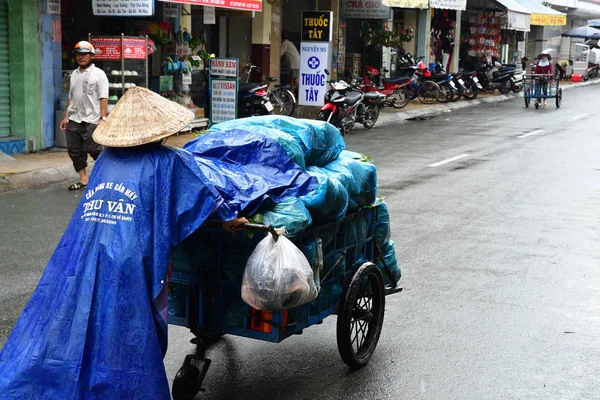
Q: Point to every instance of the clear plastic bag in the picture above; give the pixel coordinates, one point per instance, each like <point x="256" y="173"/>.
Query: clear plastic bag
<point x="278" y="276"/>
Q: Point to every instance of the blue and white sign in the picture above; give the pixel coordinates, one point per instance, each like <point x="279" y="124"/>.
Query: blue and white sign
<point x="314" y="59"/>
<point x="123" y="8"/>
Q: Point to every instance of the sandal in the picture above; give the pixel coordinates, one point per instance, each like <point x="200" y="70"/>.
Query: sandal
<point x="77" y="186"/>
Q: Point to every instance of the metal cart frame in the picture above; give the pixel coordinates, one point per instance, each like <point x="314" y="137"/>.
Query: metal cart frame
<point x="533" y="89"/>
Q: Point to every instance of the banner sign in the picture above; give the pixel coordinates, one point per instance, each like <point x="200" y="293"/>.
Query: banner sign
<point x="223" y="100"/>
<point x="123" y="8"/>
<point x="170" y="10"/>
<point x="53" y="7"/>
<point x="249" y="5"/>
<point x="366" y="9"/>
<point x="548" y="20"/>
<point x="448" y="4"/>
<point x="224" y="67"/>
<point x="110" y="48"/>
<point x="314" y="59"/>
<point x="421" y="4"/>
<point x="317" y="26"/>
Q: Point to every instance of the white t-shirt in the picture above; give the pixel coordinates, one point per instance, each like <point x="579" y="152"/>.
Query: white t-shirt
<point x="288" y="49"/>
<point x="88" y="86"/>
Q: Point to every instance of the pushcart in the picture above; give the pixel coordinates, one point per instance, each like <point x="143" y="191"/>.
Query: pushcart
<point x="342" y="255"/>
<point x="539" y="86"/>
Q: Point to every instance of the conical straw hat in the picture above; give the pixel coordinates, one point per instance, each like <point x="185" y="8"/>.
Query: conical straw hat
<point x="141" y="116"/>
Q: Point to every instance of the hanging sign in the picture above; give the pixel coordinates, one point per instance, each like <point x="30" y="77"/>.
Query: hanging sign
<point x="317" y="26"/>
<point x="134" y="48"/>
<point x="314" y="59"/>
<point x="548" y="19"/>
<point x="224" y="67"/>
<point x="209" y="16"/>
<point x="106" y="48"/>
<point x="223" y="100"/>
<point x="251" y="5"/>
<point x="53" y="7"/>
<point x="123" y="8"/>
<point x="366" y="9"/>
<point x="421" y="4"/>
<point x="165" y="83"/>
<point x="448" y="4"/>
<point x="170" y="10"/>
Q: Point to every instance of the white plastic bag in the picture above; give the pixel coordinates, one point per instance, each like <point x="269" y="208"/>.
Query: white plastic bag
<point x="277" y="276"/>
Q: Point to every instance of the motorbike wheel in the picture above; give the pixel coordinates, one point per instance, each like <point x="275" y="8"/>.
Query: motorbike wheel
<point x="333" y="120"/>
<point x="472" y="91"/>
<point x="506" y="88"/>
<point x="283" y="101"/>
<point x="457" y="93"/>
<point x="516" y="88"/>
<point x="446" y="94"/>
<point x="400" y="98"/>
<point x="371" y="116"/>
<point x="428" y="92"/>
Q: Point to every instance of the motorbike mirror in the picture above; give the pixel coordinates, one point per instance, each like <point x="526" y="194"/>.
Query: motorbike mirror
<point x="326" y="71"/>
<point x="385" y="70"/>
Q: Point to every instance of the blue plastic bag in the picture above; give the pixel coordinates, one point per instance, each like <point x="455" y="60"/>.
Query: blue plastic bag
<point x="285" y="140"/>
<point x="382" y="226"/>
<point x="329" y="200"/>
<point x="290" y="213"/>
<point x="391" y="270"/>
<point x="358" y="177"/>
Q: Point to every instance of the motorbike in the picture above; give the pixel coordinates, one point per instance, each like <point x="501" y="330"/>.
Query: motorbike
<point x="253" y="98"/>
<point x="593" y="70"/>
<point x="393" y="89"/>
<point x="346" y="104"/>
<point x="492" y="78"/>
<point x="448" y="89"/>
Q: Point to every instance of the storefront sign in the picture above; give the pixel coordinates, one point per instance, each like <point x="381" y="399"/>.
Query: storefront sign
<point x="314" y="59"/>
<point x="548" y="20"/>
<point x="166" y="83"/>
<point x="57" y="31"/>
<point x="178" y="49"/>
<point x="53" y="7"/>
<point x="170" y="10"/>
<point x="223" y="100"/>
<point x="422" y="4"/>
<point x="224" y="67"/>
<point x="517" y="21"/>
<point x="251" y="5"/>
<point x="448" y="4"/>
<point x="106" y="48"/>
<point x="123" y="8"/>
<point x="209" y="16"/>
<point x="366" y="9"/>
<point x="317" y="26"/>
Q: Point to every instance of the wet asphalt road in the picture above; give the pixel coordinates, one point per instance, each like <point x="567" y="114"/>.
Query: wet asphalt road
<point x="500" y="251"/>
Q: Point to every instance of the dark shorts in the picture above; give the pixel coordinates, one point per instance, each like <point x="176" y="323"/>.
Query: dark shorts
<point x="295" y="73"/>
<point x="80" y="143"/>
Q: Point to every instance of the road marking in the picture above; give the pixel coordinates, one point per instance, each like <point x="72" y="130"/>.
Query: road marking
<point x="531" y="133"/>
<point x="449" y="160"/>
<point x="580" y="116"/>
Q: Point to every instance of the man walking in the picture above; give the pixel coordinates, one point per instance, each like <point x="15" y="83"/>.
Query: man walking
<point x="87" y="107"/>
<point x="293" y="59"/>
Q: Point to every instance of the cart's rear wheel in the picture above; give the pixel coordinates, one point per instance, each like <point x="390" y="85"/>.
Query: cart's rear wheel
<point x="361" y="316"/>
<point x="558" y="98"/>
<point x="527" y="102"/>
<point x="189" y="378"/>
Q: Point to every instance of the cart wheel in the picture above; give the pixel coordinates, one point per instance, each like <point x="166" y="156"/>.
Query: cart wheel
<point x="527" y="102"/>
<point x="360" y="316"/>
<point x="558" y="98"/>
<point x="189" y="378"/>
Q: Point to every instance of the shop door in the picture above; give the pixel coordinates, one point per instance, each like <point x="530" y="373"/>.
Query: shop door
<point x="4" y="70"/>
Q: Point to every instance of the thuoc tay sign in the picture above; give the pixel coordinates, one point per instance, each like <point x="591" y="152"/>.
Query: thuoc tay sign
<point x="317" y="26"/>
<point x="314" y="59"/>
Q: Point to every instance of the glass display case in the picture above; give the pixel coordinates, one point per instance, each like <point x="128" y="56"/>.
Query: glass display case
<point x="124" y="59"/>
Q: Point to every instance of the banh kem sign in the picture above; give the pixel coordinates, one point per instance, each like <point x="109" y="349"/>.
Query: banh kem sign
<point x="317" y="26"/>
<point x="314" y="59"/>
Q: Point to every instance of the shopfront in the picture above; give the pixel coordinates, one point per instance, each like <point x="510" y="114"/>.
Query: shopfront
<point x="444" y="42"/>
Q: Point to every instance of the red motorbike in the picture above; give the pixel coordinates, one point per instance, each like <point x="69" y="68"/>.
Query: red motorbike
<point x="394" y="89"/>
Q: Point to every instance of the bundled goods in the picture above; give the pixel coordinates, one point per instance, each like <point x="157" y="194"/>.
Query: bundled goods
<point x="382" y="226"/>
<point x="389" y="265"/>
<point x="358" y="176"/>
<point x="329" y="201"/>
<point x="290" y="213"/>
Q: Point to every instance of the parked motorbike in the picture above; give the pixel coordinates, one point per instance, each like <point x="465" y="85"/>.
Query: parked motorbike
<point x="492" y="78"/>
<point x="253" y="98"/>
<point x="346" y="104"/>
<point x="593" y="70"/>
<point x="393" y="89"/>
<point x="448" y="89"/>
<point x="471" y="84"/>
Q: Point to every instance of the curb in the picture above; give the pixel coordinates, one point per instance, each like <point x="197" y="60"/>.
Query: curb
<point x="39" y="177"/>
<point x="401" y="116"/>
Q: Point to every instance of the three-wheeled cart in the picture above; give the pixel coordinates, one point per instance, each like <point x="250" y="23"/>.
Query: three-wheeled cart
<point x="342" y="255"/>
<point x="538" y="87"/>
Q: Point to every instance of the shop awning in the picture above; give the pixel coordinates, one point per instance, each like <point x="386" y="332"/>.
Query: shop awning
<point x="422" y="4"/>
<point x="542" y="15"/>
<point x="518" y="17"/>
<point x="588" y="10"/>
<point x="448" y="4"/>
<point x="249" y="5"/>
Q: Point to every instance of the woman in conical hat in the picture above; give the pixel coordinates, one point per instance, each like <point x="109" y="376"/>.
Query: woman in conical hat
<point x="96" y="327"/>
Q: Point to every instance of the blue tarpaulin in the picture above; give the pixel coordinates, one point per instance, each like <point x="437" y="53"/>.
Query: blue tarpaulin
<point x="96" y="325"/>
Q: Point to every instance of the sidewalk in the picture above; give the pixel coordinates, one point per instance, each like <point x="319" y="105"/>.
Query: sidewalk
<point x="25" y="171"/>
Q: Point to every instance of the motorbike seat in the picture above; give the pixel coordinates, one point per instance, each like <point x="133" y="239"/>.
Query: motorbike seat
<point x="397" y="80"/>
<point x="371" y="96"/>
<point x="437" y="77"/>
<point x="353" y="98"/>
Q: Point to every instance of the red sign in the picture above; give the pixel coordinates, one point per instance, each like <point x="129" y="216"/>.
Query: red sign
<point x="106" y="48"/>
<point x="249" y="5"/>
<point x="135" y="48"/>
<point x="110" y="48"/>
